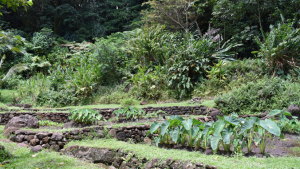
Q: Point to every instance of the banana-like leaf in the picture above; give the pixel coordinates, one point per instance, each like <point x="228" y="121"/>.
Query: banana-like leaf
<point x="215" y="141"/>
<point x="15" y="69"/>
<point x="270" y="126"/>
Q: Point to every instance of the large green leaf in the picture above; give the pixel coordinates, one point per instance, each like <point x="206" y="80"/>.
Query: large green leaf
<point x="195" y="131"/>
<point x="163" y="128"/>
<point x="274" y="112"/>
<point x="215" y="141"/>
<point x="154" y="127"/>
<point x="206" y="128"/>
<point x="175" y="134"/>
<point x="226" y="134"/>
<point x="174" y="122"/>
<point x="248" y="124"/>
<point x="270" y="126"/>
<point x="197" y="122"/>
<point x="232" y="120"/>
<point x="218" y="127"/>
<point x="187" y="124"/>
<point x="176" y="117"/>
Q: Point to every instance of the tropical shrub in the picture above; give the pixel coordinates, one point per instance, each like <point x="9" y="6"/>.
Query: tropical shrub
<point x="86" y="116"/>
<point x="193" y="58"/>
<point x="149" y="83"/>
<point x="230" y="75"/>
<point x="129" y="102"/>
<point x="281" y="47"/>
<point x="150" y="46"/>
<point x="42" y="41"/>
<point x="263" y="95"/>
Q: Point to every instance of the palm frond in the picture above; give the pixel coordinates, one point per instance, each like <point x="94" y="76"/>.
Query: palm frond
<point x="15" y="69"/>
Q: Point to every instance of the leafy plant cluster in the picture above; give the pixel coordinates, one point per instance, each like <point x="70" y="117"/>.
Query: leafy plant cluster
<point x="86" y="116"/>
<point x="129" y="113"/>
<point x="226" y="76"/>
<point x="227" y="132"/>
<point x="42" y="41"/>
<point x="263" y="95"/>
<point x="48" y="123"/>
<point x="281" y="47"/>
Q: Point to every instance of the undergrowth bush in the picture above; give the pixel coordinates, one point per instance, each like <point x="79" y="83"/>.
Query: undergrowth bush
<point x="281" y="47"/>
<point x="129" y="102"/>
<point x="111" y="94"/>
<point x="260" y="96"/>
<point x="234" y="75"/>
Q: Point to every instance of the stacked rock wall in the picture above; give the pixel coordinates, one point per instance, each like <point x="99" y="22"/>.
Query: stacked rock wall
<point x="62" y="117"/>
<point x="56" y="140"/>
<point x="120" y="159"/>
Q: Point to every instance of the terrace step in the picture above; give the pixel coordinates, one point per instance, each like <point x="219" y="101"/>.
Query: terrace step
<point x="120" y="158"/>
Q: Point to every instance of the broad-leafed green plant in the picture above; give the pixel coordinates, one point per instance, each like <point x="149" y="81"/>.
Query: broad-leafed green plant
<point x="281" y="47"/>
<point x="86" y="116"/>
<point x="228" y="131"/>
<point x="129" y="113"/>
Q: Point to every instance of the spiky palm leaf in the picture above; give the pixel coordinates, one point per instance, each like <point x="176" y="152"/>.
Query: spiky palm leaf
<point x="15" y="69"/>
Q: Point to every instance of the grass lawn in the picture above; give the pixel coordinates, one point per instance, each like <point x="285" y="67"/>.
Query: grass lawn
<point x="23" y="158"/>
<point x="6" y="96"/>
<point x="208" y="103"/>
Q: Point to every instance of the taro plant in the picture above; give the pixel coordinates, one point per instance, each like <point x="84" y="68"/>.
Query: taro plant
<point x="129" y="113"/>
<point x="86" y="116"/>
<point x="228" y="131"/>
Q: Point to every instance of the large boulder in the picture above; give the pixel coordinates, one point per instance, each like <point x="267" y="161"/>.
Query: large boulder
<point x="18" y="122"/>
<point x="294" y="110"/>
<point x="214" y="113"/>
<point x="23" y="121"/>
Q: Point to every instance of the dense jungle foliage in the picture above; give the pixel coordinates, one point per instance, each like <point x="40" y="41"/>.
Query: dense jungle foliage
<point x="244" y="54"/>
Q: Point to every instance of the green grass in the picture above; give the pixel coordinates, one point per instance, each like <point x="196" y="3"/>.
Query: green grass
<point x="7" y="95"/>
<point x="208" y="103"/>
<point x="22" y="158"/>
<point x="151" y="152"/>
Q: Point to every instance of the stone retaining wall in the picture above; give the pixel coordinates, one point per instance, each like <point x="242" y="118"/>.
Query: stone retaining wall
<point x="62" y="117"/>
<point x="56" y="141"/>
<point x="118" y="158"/>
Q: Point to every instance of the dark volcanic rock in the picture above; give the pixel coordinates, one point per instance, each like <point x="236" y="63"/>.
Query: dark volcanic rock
<point x="121" y="136"/>
<point x="144" y="102"/>
<point x="294" y="110"/>
<point x="27" y="106"/>
<point x="36" y="148"/>
<point x="215" y="113"/>
<point x="23" y="121"/>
